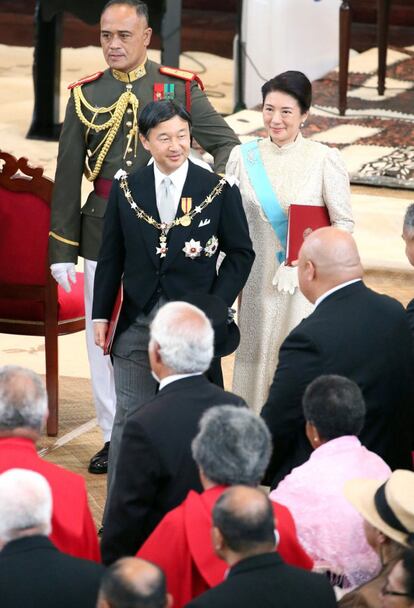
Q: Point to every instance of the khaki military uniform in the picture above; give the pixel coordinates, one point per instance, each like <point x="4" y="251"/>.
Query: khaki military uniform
<point x="74" y="232"/>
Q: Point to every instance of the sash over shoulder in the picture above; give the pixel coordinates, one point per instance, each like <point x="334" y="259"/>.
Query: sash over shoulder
<point x="265" y="194"/>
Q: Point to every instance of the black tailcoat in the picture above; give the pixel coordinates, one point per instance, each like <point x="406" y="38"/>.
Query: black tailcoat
<point x="129" y="247"/>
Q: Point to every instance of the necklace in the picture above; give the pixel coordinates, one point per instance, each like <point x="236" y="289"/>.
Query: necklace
<point x="185" y="220"/>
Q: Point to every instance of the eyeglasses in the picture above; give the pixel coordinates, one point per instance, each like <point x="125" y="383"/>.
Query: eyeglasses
<point x="386" y="591"/>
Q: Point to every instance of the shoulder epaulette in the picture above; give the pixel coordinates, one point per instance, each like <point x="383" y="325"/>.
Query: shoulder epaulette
<point x="85" y="80"/>
<point x="182" y="74"/>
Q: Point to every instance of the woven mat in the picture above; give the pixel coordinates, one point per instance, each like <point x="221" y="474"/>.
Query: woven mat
<point x="377" y="134"/>
<point x="78" y="439"/>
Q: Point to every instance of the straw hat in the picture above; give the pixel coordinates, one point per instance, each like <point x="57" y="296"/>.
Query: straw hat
<point x="387" y="506"/>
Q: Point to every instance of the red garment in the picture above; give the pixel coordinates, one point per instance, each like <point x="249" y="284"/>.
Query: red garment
<point x="181" y="546"/>
<point x="73" y="529"/>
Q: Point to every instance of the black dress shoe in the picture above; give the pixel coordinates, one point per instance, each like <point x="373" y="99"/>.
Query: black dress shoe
<point x="99" y="463"/>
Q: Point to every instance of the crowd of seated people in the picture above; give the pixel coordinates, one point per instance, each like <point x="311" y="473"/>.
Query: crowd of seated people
<point x="337" y="529"/>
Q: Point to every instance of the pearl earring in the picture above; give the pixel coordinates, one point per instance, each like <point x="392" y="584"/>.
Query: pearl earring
<point x="302" y="124"/>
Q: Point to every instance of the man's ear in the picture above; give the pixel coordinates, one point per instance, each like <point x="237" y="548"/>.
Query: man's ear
<point x="147" y="36"/>
<point x="217" y="540"/>
<point x="157" y="352"/>
<point x="144" y="142"/>
<point x="310" y="270"/>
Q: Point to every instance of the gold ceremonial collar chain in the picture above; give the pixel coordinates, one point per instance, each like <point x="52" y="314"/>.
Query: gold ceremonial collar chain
<point x="128" y="77"/>
<point x="184" y="220"/>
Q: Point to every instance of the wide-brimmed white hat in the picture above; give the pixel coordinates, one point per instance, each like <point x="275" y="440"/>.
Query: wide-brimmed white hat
<point x="387" y="506"/>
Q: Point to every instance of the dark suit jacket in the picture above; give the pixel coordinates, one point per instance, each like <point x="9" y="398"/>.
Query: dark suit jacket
<point x="410" y="313"/>
<point x="129" y="246"/>
<point x="266" y="581"/>
<point x="357" y="333"/>
<point x="34" y="573"/>
<point x="155" y="469"/>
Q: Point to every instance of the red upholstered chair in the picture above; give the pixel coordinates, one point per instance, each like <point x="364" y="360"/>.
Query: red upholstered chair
<point x="31" y="303"/>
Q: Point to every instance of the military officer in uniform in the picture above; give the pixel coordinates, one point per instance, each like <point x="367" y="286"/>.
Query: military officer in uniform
<point x="99" y="137"/>
<point x="164" y="229"/>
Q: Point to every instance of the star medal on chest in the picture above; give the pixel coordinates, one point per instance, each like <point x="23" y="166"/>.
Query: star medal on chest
<point x="192" y="248"/>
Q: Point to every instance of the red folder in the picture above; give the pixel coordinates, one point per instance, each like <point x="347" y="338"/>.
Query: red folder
<point x="303" y="219"/>
<point x="113" y="321"/>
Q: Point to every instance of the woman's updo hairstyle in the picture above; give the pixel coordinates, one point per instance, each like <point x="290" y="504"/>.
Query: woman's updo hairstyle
<point x="293" y="83"/>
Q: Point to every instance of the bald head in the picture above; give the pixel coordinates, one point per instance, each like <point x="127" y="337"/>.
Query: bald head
<point x="244" y="520"/>
<point x="327" y="258"/>
<point x="131" y="581"/>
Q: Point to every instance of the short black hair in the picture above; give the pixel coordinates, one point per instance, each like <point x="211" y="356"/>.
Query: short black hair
<point x="335" y="406"/>
<point x="408" y="565"/>
<point x="156" y="112"/>
<point x="244" y="530"/>
<point x="293" y="83"/>
<point x="120" y="592"/>
<point x="140" y="7"/>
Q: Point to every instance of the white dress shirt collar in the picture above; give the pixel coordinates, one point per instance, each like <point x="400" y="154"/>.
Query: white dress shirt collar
<point x="166" y="381"/>
<point x="177" y="177"/>
<point x="337" y="288"/>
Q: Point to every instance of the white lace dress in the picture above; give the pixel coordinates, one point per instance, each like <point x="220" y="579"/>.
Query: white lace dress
<point x="303" y="172"/>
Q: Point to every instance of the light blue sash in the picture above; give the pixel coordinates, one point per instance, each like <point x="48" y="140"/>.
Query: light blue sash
<point x="265" y="194"/>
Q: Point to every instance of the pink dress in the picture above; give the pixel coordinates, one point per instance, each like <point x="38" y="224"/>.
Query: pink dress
<point x="328" y="527"/>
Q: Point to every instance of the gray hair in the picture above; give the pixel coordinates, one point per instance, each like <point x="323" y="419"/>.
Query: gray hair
<point x="335" y="406"/>
<point x="25" y="503"/>
<point x="233" y="446"/>
<point x="185" y="337"/>
<point x="23" y="399"/>
<point x="409" y="218"/>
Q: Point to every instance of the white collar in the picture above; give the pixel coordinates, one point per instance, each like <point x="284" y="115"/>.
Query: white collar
<point x="336" y="288"/>
<point x="177" y="177"/>
<point x="165" y="381"/>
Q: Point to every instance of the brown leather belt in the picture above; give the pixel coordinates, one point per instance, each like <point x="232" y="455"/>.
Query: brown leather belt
<point x="102" y="187"/>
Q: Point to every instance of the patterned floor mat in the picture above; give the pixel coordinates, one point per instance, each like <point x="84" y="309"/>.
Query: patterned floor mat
<point x="376" y="135"/>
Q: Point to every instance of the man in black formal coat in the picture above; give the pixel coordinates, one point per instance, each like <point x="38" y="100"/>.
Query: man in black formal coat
<point x="33" y="572"/>
<point x="155" y="468"/>
<point x="353" y="332"/>
<point x="165" y="226"/>
<point x="244" y="536"/>
<point x="408" y="237"/>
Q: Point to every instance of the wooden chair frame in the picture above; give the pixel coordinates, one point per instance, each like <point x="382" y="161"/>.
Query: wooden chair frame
<point x="345" y="21"/>
<point x="18" y="176"/>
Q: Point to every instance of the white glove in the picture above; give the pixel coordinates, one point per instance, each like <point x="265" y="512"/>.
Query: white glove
<point x="286" y="278"/>
<point x="64" y="273"/>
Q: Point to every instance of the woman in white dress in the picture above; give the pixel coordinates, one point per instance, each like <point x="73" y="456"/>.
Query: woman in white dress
<point x="275" y="172"/>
